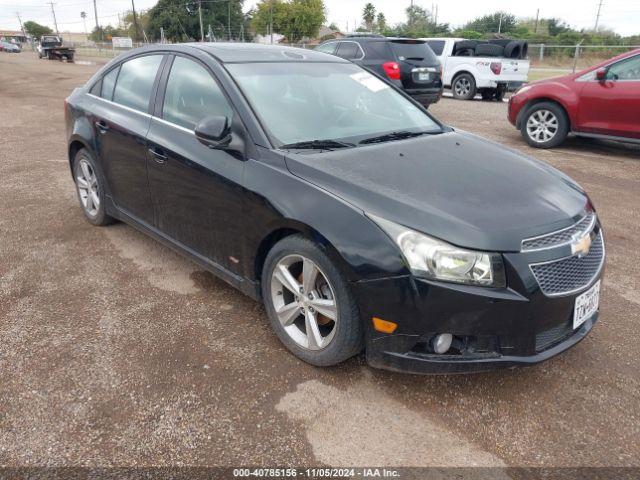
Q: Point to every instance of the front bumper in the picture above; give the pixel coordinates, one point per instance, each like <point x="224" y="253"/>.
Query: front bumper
<point x="509" y="327"/>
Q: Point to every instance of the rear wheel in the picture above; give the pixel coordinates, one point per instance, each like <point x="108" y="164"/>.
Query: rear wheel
<point x="545" y="125"/>
<point x="90" y="189"/>
<point x="309" y="303"/>
<point x="464" y="87"/>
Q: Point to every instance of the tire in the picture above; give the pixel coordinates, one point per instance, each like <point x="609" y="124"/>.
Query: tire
<point x="344" y="336"/>
<point x="500" y="41"/>
<point x="464" y="87"/>
<point x="488" y="94"/>
<point x="464" y="45"/>
<point x="489" y="50"/>
<point x="513" y="49"/>
<point x="467" y="52"/>
<point x="545" y="112"/>
<point x="95" y="214"/>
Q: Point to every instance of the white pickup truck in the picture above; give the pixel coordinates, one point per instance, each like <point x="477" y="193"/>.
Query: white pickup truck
<point x="496" y="66"/>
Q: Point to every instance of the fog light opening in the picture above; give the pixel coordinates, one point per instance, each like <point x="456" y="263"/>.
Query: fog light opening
<point x="441" y="343"/>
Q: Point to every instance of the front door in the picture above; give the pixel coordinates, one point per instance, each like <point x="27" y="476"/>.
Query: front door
<point x="611" y="106"/>
<point x="196" y="190"/>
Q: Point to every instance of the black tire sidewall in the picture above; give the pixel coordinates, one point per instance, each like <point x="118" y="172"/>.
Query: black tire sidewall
<point x="101" y="218"/>
<point x="563" y="125"/>
<point x="348" y="338"/>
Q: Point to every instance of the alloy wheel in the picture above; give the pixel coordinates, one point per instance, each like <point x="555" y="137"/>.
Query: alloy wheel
<point x="304" y="302"/>
<point x="542" y="126"/>
<point x="463" y="87"/>
<point x="87" y="182"/>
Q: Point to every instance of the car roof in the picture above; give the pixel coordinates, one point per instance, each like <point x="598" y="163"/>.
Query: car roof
<point x="250" y="52"/>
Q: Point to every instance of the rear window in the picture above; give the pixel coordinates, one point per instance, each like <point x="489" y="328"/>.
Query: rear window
<point x="437" y="46"/>
<point x="413" y="50"/>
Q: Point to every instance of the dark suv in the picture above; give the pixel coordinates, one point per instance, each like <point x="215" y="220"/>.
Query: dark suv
<point x="405" y="62"/>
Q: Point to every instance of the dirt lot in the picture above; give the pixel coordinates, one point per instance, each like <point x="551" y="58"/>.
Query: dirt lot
<point x="116" y="351"/>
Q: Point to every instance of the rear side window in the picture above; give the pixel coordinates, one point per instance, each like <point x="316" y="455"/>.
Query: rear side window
<point x="327" y="48"/>
<point x="413" y="50"/>
<point x="349" y="50"/>
<point x="437" y="46"/>
<point x="377" y="49"/>
<point x="108" y="82"/>
<point x="135" y="82"/>
<point x="192" y="94"/>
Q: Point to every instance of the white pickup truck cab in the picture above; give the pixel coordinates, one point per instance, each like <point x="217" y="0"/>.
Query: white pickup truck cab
<point x="467" y="75"/>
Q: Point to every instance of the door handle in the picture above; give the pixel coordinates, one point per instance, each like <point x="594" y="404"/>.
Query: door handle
<point x="158" y="155"/>
<point x="102" y="126"/>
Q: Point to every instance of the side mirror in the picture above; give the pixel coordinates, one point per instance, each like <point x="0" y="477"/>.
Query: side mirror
<point x="214" y="132"/>
<point x="601" y="74"/>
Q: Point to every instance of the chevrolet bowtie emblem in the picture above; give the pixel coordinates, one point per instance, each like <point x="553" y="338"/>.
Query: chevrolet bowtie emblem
<point x="580" y="245"/>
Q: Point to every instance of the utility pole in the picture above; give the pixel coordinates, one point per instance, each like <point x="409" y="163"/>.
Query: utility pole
<point x="271" y="20"/>
<point x="200" y="16"/>
<point x="229" y="20"/>
<point x="435" y="21"/>
<point x="95" y="12"/>
<point x="135" y="19"/>
<point x="55" y="22"/>
<point x="21" y="27"/>
<point x="500" y="24"/>
<point x="595" y="29"/>
<point x="537" y="17"/>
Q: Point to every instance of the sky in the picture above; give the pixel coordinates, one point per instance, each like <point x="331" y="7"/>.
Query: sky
<point x="623" y="16"/>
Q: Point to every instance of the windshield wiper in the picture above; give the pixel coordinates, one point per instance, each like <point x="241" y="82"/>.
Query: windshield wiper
<point x="387" y="137"/>
<point x="317" y="145"/>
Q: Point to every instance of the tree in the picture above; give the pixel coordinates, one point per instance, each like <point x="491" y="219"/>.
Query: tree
<point x="105" y="34"/>
<point x="36" y="30"/>
<point x="501" y="22"/>
<point x="420" y="23"/>
<point x="295" y="19"/>
<point x="381" y="23"/>
<point x="180" y="19"/>
<point x="369" y="15"/>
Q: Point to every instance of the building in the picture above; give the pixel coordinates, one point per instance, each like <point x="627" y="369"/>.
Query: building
<point x="13" y="36"/>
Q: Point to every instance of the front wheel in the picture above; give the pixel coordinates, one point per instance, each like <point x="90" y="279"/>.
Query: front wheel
<point x="545" y="125"/>
<point x="309" y="303"/>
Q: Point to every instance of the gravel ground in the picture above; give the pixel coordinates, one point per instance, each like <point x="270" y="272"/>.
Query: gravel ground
<point x="116" y="351"/>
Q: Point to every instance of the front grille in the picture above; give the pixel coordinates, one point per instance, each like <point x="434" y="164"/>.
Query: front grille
<point x="562" y="277"/>
<point x="561" y="237"/>
<point x="553" y="335"/>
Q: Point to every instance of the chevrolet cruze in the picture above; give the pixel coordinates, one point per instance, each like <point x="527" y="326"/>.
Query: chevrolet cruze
<point x="361" y="222"/>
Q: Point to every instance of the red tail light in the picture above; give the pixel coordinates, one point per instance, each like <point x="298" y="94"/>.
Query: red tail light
<point x="392" y="69"/>
<point x="496" y="67"/>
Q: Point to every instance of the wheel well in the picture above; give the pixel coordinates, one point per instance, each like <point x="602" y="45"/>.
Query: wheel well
<point x="536" y="101"/>
<point x="274" y="237"/>
<point x="462" y="72"/>
<point x="74" y="148"/>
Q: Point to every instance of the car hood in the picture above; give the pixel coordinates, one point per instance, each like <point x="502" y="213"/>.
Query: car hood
<point x="454" y="186"/>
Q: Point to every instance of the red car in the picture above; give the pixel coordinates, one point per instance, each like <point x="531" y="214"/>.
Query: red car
<point x="602" y="101"/>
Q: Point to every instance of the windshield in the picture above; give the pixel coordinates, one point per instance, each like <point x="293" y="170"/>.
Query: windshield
<point x="302" y="102"/>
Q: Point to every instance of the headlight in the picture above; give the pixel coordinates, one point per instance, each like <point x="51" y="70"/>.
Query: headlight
<point x="432" y="258"/>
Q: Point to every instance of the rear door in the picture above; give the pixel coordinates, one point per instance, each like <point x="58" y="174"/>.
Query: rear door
<point x="419" y="67"/>
<point x="196" y="190"/>
<point x="612" y="106"/>
<point x="121" y="120"/>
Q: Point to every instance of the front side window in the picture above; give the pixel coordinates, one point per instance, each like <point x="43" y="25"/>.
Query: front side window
<point x="135" y="82"/>
<point x="299" y="102"/>
<point x="192" y="94"/>
<point x="627" y="69"/>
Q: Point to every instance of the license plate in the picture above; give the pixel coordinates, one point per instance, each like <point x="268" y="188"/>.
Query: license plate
<point x="586" y="305"/>
<point x="423" y="76"/>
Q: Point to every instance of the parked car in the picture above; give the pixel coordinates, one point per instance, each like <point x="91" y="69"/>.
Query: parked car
<point x="471" y="66"/>
<point x="9" y="47"/>
<point x="407" y="63"/>
<point x="602" y="102"/>
<point x="360" y="220"/>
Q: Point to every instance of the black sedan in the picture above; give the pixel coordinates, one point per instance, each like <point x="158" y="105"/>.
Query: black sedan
<point x="361" y="221"/>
